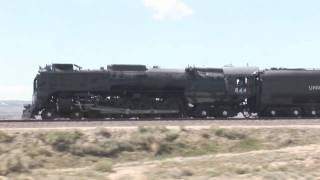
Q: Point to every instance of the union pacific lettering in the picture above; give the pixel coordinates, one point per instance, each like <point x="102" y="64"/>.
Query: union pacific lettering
<point x="314" y="88"/>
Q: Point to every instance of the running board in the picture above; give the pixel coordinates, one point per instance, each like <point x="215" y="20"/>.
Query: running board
<point x="112" y="110"/>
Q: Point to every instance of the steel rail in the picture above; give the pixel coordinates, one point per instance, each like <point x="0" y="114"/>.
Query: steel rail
<point x="159" y="119"/>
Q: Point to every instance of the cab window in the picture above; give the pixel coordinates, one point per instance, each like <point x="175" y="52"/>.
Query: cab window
<point x="241" y="81"/>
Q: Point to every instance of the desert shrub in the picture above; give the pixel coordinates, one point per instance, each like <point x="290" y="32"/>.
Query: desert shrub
<point x="12" y="164"/>
<point x="5" y="138"/>
<point x="23" y="177"/>
<point x="104" y="133"/>
<point x="61" y="140"/>
<point x="168" y="142"/>
<point x="105" y="149"/>
<point x="142" y="140"/>
<point x="17" y="162"/>
<point x="89" y="149"/>
<point x="232" y="135"/>
<point x="183" y="129"/>
<point x="242" y="171"/>
<point x="160" y="148"/>
<point x="186" y="172"/>
<point x="219" y="132"/>
<point x="247" y="145"/>
<point x="152" y="130"/>
<point x="177" y="173"/>
<point x="196" y="149"/>
<point x="287" y="142"/>
<point x="34" y="151"/>
<point x="103" y="166"/>
<point x="2" y="150"/>
<point x="205" y="135"/>
<point x="156" y="143"/>
<point x="142" y="129"/>
<point x="171" y="136"/>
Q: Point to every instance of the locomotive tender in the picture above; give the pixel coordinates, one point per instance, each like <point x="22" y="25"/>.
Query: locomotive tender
<point x="67" y="91"/>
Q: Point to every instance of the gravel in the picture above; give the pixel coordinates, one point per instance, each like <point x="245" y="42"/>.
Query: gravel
<point x="192" y="123"/>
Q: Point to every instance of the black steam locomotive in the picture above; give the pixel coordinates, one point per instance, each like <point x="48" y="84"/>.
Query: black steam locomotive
<point x="67" y="91"/>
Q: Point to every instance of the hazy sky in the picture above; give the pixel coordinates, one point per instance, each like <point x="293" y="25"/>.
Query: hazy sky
<point x="168" y="33"/>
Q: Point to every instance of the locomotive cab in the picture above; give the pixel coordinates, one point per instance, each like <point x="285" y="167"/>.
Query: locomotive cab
<point x="240" y="81"/>
<point x="241" y="85"/>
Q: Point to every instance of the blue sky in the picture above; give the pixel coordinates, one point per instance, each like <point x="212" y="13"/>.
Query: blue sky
<point x="168" y="33"/>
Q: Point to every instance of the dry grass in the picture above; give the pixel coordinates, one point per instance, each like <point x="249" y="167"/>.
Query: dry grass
<point x="229" y="134"/>
<point x="5" y="138"/>
<point x="61" y="140"/>
<point x="96" y="153"/>
<point x="103" y="132"/>
<point x="103" y="166"/>
<point x="288" y="163"/>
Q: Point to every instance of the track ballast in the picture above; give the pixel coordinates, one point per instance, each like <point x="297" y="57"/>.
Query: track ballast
<point x="110" y="123"/>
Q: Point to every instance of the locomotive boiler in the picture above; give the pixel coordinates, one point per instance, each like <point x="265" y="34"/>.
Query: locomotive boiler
<point x="67" y="91"/>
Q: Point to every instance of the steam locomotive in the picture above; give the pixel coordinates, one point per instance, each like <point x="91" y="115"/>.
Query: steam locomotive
<point x="67" y="91"/>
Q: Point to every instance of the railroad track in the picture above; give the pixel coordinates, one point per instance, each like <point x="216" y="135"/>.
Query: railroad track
<point x="93" y="123"/>
<point x="160" y="119"/>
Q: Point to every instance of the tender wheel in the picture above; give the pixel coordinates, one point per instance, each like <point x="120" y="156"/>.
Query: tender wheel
<point x="200" y="112"/>
<point x="273" y="112"/>
<point x="48" y="114"/>
<point x="224" y="113"/>
<point x="313" y="112"/>
<point x="76" y="114"/>
<point x="296" y="112"/>
<point x="203" y="113"/>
